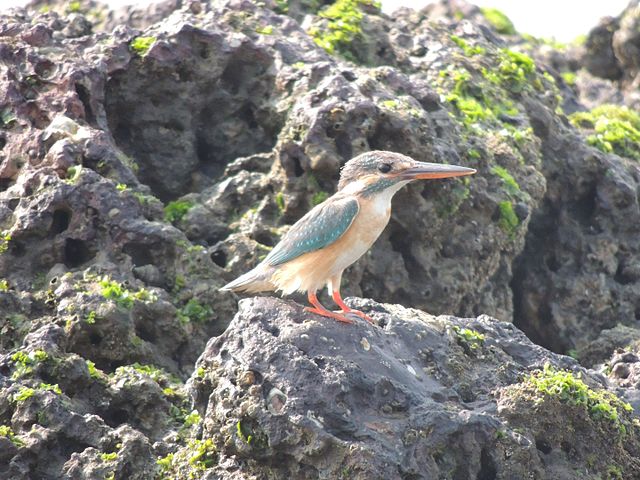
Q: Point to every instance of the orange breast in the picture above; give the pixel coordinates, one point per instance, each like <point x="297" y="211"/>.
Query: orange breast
<point x="311" y="271"/>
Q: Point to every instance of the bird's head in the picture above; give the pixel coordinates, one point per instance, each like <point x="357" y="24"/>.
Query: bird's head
<point x="377" y="171"/>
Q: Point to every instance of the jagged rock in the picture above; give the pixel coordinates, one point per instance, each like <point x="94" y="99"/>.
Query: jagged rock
<point x="610" y="340"/>
<point x="599" y="57"/>
<point x="287" y="394"/>
<point x="142" y="169"/>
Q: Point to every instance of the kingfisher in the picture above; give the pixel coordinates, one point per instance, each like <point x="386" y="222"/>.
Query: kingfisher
<point x="337" y="232"/>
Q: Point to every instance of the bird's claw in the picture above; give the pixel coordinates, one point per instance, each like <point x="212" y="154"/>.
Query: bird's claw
<point x="329" y="314"/>
<point x="360" y="314"/>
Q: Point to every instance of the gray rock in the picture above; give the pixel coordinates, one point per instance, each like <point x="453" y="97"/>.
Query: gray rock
<point x="285" y="393"/>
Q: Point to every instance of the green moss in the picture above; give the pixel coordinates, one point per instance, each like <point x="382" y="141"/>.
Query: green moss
<point x="508" y="219"/>
<point x="390" y="104"/>
<point x="194" y="311"/>
<point x="466" y="48"/>
<point x="91" y="318"/>
<point x="244" y="437"/>
<point x="513" y="71"/>
<point x="499" y="21"/>
<point x="154" y="373"/>
<point x="4" y="285"/>
<point x="266" y="30"/>
<point x="94" y="372"/>
<point x="569" y="78"/>
<point x="318" y="198"/>
<point x="471" y="339"/>
<point x="5" y="238"/>
<point x="343" y="27"/>
<point x="73" y="174"/>
<point x="7" y="432"/>
<point x="141" y="45"/>
<point x="191" y="419"/>
<point x="121" y="187"/>
<point x="24" y="363"/>
<point x="48" y="387"/>
<point x="174" y="211"/>
<point x="509" y="182"/>
<point x="282" y="6"/>
<point x="569" y="388"/>
<point x="189" y="461"/>
<point x="74" y="7"/>
<point x="25" y="393"/>
<point x="123" y="297"/>
<point x="280" y="202"/>
<point x="109" y="457"/>
<point x="615" y="129"/>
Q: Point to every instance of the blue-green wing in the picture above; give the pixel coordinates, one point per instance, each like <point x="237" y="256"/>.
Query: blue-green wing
<point x="319" y="228"/>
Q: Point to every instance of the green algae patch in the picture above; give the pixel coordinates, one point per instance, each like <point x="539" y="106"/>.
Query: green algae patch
<point x="141" y="45"/>
<point x="508" y="219"/>
<point x="469" y="50"/>
<point x="343" y="27"/>
<point x="7" y="432"/>
<point x="190" y="461"/>
<point x="510" y="183"/>
<point x="467" y="338"/>
<point x="194" y="311"/>
<point x="569" y="78"/>
<point x="514" y="70"/>
<point x="499" y="21"/>
<point x="122" y="296"/>
<point x="174" y="211"/>
<point x="613" y="129"/>
<point x="570" y="389"/>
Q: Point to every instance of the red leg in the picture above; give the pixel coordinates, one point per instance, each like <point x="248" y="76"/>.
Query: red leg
<point x="320" y="310"/>
<point x="345" y="309"/>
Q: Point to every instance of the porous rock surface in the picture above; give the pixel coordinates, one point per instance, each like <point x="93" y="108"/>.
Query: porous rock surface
<point x="150" y="155"/>
<point x="407" y="398"/>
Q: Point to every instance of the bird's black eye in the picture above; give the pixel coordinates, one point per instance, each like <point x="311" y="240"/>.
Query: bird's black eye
<point x="384" y="167"/>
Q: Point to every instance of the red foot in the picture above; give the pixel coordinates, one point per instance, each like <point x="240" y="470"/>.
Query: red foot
<point x="328" y="313"/>
<point x="345" y="309"/>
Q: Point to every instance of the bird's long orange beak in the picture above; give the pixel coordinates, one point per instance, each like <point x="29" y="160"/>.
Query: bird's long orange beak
<point x="435" y="170"/>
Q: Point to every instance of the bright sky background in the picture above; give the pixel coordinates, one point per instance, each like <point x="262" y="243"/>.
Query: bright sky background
<point x="561" y="19"/>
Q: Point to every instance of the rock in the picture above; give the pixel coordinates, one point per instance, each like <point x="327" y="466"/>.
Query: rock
<point x="599" y="57"/>
<point x="148" y="156"/>
<point x="414" y="395"/>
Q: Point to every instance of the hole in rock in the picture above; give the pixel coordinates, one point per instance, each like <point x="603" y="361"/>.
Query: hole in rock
<point x="145" y="333"/>
<point x="83" y="95"/>
<point x="76" y="252"/>
<point x="3" y="141"/>
<point x="265" y="238"/>
<point x="543" y="446"/>
<point x="140" y="253"/>
<point x="488" y="469"/>
<point x="60" y="221"/>
<point x="116" y="417"/>
<point x="95" y="339"/>
<point x="199" y="125"/>
<point x="219" y="258"/>
<point x="584" y="208"/>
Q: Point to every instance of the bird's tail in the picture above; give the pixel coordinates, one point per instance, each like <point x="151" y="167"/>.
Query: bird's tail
<point x="256" y="280"/>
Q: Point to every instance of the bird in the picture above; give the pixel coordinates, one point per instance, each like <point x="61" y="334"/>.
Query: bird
<point x="335" y="233"/>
